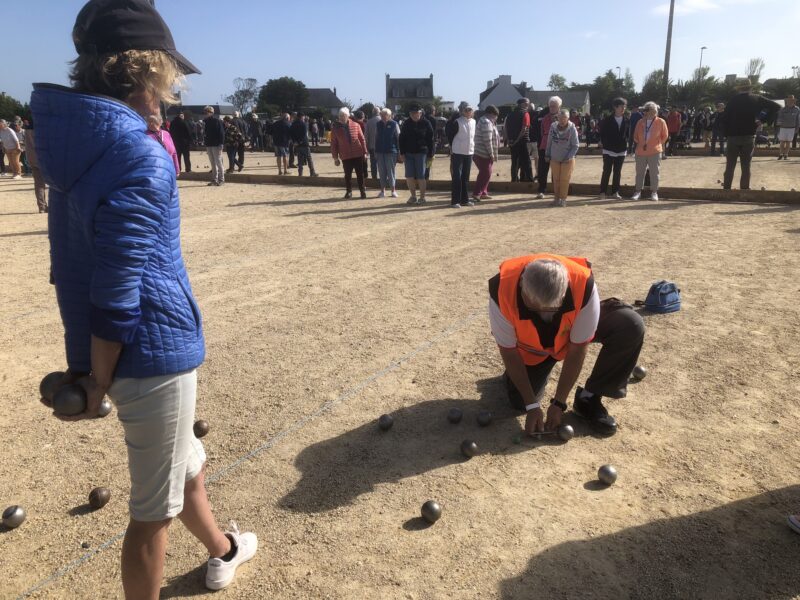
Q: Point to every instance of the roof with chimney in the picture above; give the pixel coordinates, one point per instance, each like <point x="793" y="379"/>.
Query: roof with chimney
<point x="323" y="98"/>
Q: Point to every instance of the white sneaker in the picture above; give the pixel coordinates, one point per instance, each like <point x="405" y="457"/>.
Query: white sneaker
<point x="17" y="177"/>
<point x="617" y="196"/>
<point x="654" y="197"/>
<point x="220" y="573"/>
<point x="539" y="196"/>
<point x="394" y="194"/>
<point x="636" y="195"/>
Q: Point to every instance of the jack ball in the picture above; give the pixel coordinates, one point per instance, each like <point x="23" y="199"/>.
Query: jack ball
<point x="99" y="497"/>
<point x="469" y="448"/>
<point x="13" y="516"/>
<point x="200" y="428"/>
<point x="431" y="511"/>
<point x="639" y="372"/>
<point x="566" y="432"/>
<point x="454" y="415"/>
<point x="70" y="400"/>
<point x="385" y="422"/>
<point x="484" y="418"/>
<point x="607" y="474"/>
<point x="47" y="387"/>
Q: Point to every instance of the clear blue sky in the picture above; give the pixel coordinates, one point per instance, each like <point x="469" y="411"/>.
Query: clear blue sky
<point x="327" y="44"/>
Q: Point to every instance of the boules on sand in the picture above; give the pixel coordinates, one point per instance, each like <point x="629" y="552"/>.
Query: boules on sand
<point x="469" y="448"/>
<point x="105" y="408"/>
<point x="13" y="516"/>
<point x="69" y="400"/>
<point x="607" y="474"/>
<point x="566" y="432"/>
<point x="454" y="415"/>
<point x="484" y="418"/>
<point x="99" y="497"/>
<point x="47" y="387"/>
<point x="431" y="511"/>
<point x="200" y="428"/>
<point x="639" y="372"/>
<point x="385" y="422"/>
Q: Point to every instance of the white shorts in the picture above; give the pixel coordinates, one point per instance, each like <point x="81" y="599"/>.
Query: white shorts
<point x="157" y="414"/>
<point x="785" y="134"/>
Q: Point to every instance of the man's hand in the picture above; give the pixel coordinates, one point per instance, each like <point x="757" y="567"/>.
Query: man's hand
<point x="95" y="393"/>
<point x="336" y="162"/>
<point x="534" y="421"/>
<point x="554" y="415"/>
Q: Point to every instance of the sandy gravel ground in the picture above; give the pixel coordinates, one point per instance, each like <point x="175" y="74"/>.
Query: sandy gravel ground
<point x="321" y="314"/>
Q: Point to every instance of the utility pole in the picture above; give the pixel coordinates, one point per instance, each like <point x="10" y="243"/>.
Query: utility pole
<point x="669" y="48"/>
<point x="700" y="71"/>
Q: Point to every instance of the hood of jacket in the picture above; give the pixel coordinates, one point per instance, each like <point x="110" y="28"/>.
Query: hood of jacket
<point x="74" y="129"/>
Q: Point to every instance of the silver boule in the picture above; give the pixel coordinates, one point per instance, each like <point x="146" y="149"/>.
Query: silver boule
<point x="385" y="422"/>
<point x="105" y="408"/>
<point x="484" y="418"/>
<point x="431" y="511"/>
<point x="13" y="516"/>
<point x="454" y="415"/>
<point x="607" y="474"/>
<point x="566" y="432"/>
<point x="639" y="372"/>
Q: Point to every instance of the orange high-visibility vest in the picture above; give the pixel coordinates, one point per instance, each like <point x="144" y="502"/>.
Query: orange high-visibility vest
<point x="529" y="346"/>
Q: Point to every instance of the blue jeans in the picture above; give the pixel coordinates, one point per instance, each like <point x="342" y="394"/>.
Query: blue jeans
<point x="460" y="165"/>
<point x="386" y="162"/>
<point x="415" y="166"/>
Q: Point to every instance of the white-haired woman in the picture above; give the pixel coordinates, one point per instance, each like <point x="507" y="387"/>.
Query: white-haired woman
<point x="163" y="137"/>
<point x="649" y="136"/>
<point x="387" y="140"/>
<point x="545" y="124"/>
<point x="349" y="148"/>
<point x="132" y="328"/>
<point x="562" y="147"/>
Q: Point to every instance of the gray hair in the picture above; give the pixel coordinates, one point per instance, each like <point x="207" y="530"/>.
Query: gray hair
<point x="387" y="111"/>
<point x="209" y="109"/>
<point x="3" y="122"/>
<point x="650" y="106"/>
<point x="544" y="282"/>
<point x="344" y="111"/>
<point x="155" y="118"/>
<point x="555" y="99"/>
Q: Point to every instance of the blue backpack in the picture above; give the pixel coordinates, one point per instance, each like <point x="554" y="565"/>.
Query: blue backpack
<point x="663" y="297"/>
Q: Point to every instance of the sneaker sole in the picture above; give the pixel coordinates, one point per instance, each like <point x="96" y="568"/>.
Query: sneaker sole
<point x="218" y="585"/>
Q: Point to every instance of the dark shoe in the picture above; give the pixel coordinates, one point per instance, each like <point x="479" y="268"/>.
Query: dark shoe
<point x="240" y="167"/>
<point x="363" y="195"/>
<point x="592" y="410"/>
<point x="348" y="195"/>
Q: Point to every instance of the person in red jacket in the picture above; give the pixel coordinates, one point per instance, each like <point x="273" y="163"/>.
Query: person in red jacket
<point x="673" y="128"/>
<point x="349" y="147"/>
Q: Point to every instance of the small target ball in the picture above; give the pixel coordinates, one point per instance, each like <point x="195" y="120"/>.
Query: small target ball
<point x="47" y="387"/>
<point x="70" y="400"/>
<point x="454" y="415"/>
<point x="431" y="511"/>
<point x="639" y="372"/>
<point x="484" y="418"/>
<point x="607" y="474"/>
<point x="566" y="432"/>
<point x="385" y="422"/>
<point x="200" y="428"/>
<point x="99" y="497"/>
<point x="469" y="448"/>
<point x="105" y="408"/>
<point x="763" y="189"/>
<point x="13" y="516"/>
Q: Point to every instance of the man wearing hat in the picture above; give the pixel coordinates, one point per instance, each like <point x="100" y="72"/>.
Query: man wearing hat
<point x="741" y="114"/>
<point x="132" y="328"/>
<point x="517" y="133"/>
<point x="416" y="147"/>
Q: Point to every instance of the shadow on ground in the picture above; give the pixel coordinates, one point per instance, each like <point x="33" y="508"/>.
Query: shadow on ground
<point x="22" y="234"/>
<point x="338" y="470"/>
<point x="742" y="550"/>
<point x="191" y="583"/>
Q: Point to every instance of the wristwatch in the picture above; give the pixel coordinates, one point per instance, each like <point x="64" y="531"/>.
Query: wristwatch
<point x="559" y="404"/>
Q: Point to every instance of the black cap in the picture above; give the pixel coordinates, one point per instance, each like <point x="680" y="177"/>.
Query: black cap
<point x="107" y="26"/>
<point x="414" y="107"/>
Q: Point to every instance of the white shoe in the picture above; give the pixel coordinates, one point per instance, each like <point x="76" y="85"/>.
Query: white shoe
<point x="601" y="196"/>
<point x="654" y="197"/>
<point x="394" y="194"/>
<point x="539" y="196"/>
<point x="220" y="573"/>
<point x="636" y="195"/>
<point x="17" y="177"/>
<point x="455" y="206"/>
<point x="617" y="196"/>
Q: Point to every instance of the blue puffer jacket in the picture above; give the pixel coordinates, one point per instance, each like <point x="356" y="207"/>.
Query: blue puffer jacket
<point x="115" y="235"/>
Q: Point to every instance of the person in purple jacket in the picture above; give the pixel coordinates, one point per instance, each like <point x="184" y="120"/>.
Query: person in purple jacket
<point x="132" y="327"/>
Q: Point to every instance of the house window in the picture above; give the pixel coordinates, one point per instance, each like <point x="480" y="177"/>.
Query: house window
<point x="395" y="92"/>
<point x="421" y="92"/>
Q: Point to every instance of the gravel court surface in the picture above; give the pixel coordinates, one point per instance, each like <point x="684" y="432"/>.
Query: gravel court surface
<point x="305" y="296"/>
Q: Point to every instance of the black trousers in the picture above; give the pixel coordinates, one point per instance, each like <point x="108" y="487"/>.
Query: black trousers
<point x="350" y="165"/>
<point x="544" y="170"/>
<point x="291" y="154"/>
<point x="521" y="168"/>
<point x="240" y="153"/>
<point x="739" y="147"/>
<point x="620" y="331"/>
<point x="304" y="158"/>
<point x="460" y="166"/>
<point x="183" y="154"/>
<point x="611" y="163"/>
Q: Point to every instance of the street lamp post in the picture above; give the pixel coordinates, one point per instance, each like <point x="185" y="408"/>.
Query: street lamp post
<point x="700" y="71"/>
<point x="619" y="73"/>
<point x="669" y="48"/>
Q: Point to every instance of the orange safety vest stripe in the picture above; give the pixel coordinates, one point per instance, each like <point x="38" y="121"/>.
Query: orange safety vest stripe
<point x="529" y="346"/>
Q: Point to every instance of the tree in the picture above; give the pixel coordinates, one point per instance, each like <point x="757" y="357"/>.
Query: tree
<point x="653" y="87"/>
<point x="11" y="107"/>
<point x="367" y="109"/>
<point x="698" y="91"/>
<point x="245" y="94"/>
<point x="556" y="82"/>
<point x="286" y="93"/>
<point x="754" y="68"/>
<point x="781" y="88"/>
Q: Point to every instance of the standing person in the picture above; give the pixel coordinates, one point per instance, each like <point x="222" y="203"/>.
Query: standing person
<point x="298" y="133"/>
<point x="23" y="156"/>
<point x="487" y="148"/>
<point x="360" y="118"/>
<point x="614" y="135"/>
<point x="132" y="327"/>
<point x="163" y="138"/>
<point x="705" y="122"/>
<point x="650" y="135"/>
<point x="741" y="114"/>
<point x="281" y="138"/>
<point x="636" y="116"/>
<point x="718" y="130"/>
<point x="674" y="129"/>
<point x="349" y="148"/>
<point x="430" y="115"/>
<point x="369" y="134"/>
<point x="788" y="124"/>
<point x="387" y="146"/>
<point x="517" y="133"/>
<point x="214" y="140"/>
<point x="562" y="147"/>
<point x="12" y="149"/>
<point x="181" y="134"/>
<point x="233" y="137"/>
<point x="546" y="121"/>
<point x="256" y="133"/>
<point x="314" y="128"/>
<point x="416" y="147"/>
<point x="462" y="149"/>
<point x="289" y="121"/>
<point x="39" y="186"/>
<point x="244" y="130"/>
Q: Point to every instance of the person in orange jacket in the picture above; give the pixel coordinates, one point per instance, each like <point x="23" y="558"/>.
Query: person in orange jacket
<point x="649" y="137"/>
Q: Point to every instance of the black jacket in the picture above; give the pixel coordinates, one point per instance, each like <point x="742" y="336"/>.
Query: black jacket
<point x="743" y="110"/>
<point x="416" y="137"/>
<point x="214" y="132"/>
<point x="298" y="132"/>
<point x="513" y="127"/>
<point x="280" y="133"/>
<point x="614" y="137"/>
<point x="179" y="130"/>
